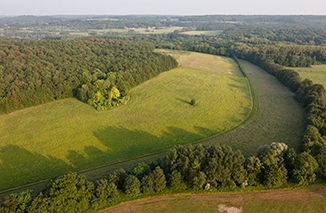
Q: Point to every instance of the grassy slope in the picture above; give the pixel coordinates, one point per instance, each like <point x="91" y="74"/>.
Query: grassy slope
<point x="67" y="135"/>
<point x="298" y="200"/>
<point x="316" y="73"/>
<point x="280" y="118"/>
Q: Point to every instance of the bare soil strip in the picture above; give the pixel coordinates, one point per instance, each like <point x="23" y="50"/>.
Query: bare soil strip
<point x="230" y="202"/>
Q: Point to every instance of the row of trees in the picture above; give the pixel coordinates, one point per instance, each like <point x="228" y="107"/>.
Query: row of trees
<point x="199" y="168"/>
<point x="97" y="71"/>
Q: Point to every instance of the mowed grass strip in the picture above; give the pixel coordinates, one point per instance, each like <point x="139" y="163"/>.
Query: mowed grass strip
<point x="296" y="200"/>
<point x="279" y="118"/>
<point x="316" y="73"/>
<point x="67" y="135"/>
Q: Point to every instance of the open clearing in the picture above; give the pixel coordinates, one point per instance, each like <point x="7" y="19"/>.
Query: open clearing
<point x="316" y="73"/>
<point x="197" y="32"/>
<point x="140" y="30"/>
<point x="67" y="135"/>
<point x="309" y="200"/>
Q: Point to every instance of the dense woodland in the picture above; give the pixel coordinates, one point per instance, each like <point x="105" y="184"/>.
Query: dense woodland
<point x="270" y="42"/>
<point x="97" y="71"/>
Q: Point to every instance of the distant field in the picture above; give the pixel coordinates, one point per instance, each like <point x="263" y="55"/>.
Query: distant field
<point x="210" y="63"/>
<point x="310" y="200"/>
<point x="141" y="30"/>
<point x="67" y="135"/>
<point x="211" y="32"/>
<point x="316" y="73"/>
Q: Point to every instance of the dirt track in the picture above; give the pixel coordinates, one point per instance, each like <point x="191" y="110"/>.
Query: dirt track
<point x="244" y="200"/>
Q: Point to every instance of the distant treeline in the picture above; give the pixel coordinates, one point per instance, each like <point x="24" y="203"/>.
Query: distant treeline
<point x="97" y="71"/>
<point x="296" y="29"/>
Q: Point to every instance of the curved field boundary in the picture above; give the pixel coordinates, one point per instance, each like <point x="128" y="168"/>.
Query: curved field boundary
<point x="253" y="110"/>
<point x="310" y="199"/>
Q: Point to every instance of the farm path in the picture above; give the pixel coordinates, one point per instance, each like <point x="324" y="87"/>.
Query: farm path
<point x="309" y="199"/>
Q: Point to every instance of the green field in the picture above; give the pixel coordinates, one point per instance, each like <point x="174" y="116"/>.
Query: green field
<point x="67" y="135"/>
<point x="310" y="200"/>
<point x="197" y="32"/>
<point x="279" y="117"/>
<point x="206" y="62"/>
<point x="316" y="73"/>
<point x="140" y="30"/>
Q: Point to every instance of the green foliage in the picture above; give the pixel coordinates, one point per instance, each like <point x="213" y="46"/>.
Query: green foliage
<point x="192" y="102"/>
<point x="16" y="203"/>
<point x="70" y="193"/>
<point x="147" y="184"/>
<point x="118" y="177"/>
<point x="106" y="194"/>
<point x="132" y="186"/>
<point x="175" y="181"/>
<point x="253" y="167"/>
<point x="273" y="172"/>
<point x="36" y="72"/>
<point x="220" y="166"/>
<point x="140" y="170"/>
<point x="304" y="169"/>
<point x="159" y="180"/>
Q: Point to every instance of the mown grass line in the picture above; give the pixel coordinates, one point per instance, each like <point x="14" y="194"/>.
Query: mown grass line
<point x="253" y="110"/>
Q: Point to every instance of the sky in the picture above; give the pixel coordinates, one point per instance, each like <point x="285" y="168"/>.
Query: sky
<point x="162" y="7"/>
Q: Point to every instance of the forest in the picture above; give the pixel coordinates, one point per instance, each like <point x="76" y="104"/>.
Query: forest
<point x="51" y="69"/>
<point x="96" y="71"/>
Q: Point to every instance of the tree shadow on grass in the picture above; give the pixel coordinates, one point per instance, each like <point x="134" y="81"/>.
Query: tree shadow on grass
<point x="19" y="166"/>
<point x="182" y="100"/>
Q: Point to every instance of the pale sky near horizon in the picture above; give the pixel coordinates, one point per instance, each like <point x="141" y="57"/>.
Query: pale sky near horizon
<point x="162" y="7"/>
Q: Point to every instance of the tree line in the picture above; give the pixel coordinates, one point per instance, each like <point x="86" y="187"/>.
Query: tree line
<point x="97" y="71"/>
<point x="192" y="168"/>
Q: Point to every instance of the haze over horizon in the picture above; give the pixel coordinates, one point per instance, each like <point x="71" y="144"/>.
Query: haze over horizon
<point x="161" y="7"/>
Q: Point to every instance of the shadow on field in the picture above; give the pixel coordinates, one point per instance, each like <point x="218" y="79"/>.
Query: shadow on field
<point x="27" y="166"/>
<point x="182" y="100"/>
<point x="19" y="166"/>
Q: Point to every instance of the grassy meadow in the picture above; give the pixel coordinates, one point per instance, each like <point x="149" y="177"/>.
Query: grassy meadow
<point x="197" y="32"/>
<point x="279" y="117"/>
<point x="310" y="200"/>
<point x="67" y="135"/>
<point x="316" y="73"/>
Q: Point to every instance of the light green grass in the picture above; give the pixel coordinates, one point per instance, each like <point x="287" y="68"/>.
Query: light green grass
<point x="210" y="32"/>
<point x="67" y="135"/>
<point x="210" y="63"/>
<point x="316" y="73"/>
<point x="159" y="30"/>
<point x="141" y="30"/>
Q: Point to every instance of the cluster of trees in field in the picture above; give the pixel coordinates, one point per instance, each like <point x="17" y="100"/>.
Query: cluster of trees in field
<point x="97" y="71"/>
<point x="193" y="168"/>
